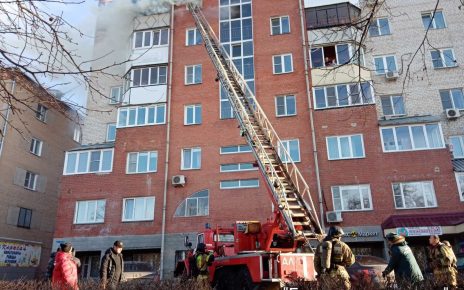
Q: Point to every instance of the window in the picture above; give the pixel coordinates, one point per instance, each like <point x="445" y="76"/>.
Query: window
<point x="414" y="195"/>
<point x="280" y="25"/>
<point x="227" y="112"/>
<point x="41" y="113"/>
<point x="282" y="63"/>
<point x="412" y="137"/>
<point x="142" y="116"/>
<point x="191" y="158"/>
<point x="238" y="167"/>
<point x="30" y="181"/>
<point x="142" y="162"/>
<point x="457" y="146"/>
<point x="235" y="149"/>
<point x="90" y="211"/>
<point x="192" y="37"/>
<point x="443" y="58"/>
<point x="331" y="15"/>
<point x="149" y="76"/>
<point x="77" y="134"/>
<point x="345" y="147"/>
<point x="116" y="95"/>
<point x="239" y="183"/>
<point x="293" y="150"/>
<point x="332" y="55"/>
<point x="36" y="147"/>
<point x="138" y="209"/>
<point x="384" y="64"/>
<point x="192" y="115"/>
<point x="380" y="26"/>
<point x="91" y="161"/>
<point x="393" y="105"/>
<point x="460" y="181"/>
<point x="111" y="132"/>
<point x="24" y="218"/>
<point x="343" y="95"/>
<point x="285" y="106"/>
<point x="195" y="205"/>
<point x="193" y="74"/>
<point x="433" y="20"/>
<point x="452" y="99"/>
<point x="352" y="197"/>
<point x="145" y="39"/>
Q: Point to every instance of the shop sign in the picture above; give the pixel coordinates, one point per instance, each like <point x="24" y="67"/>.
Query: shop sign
<point x="14" y="254"/>
<point x="361" y="234"/>
<point x="419" y="231"/>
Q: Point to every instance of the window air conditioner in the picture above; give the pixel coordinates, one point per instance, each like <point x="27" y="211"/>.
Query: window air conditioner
<point x="334" y="216"/>
<point x="178" y="180"/>
<point x="452" y="113"/>
<point x="391" y="75"/>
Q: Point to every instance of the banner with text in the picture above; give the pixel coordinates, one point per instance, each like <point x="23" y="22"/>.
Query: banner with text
<point x="15" y="254"/>
<point x="419" y="231"/>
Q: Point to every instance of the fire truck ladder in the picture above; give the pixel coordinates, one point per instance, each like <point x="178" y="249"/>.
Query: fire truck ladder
<point x="287" y="185"/>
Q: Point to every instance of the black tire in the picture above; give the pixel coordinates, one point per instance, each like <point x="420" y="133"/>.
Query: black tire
<point x="235" y="279"/>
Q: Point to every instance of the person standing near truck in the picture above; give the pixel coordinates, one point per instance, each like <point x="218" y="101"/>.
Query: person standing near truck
<point x="442" y="262"/>
<point x="202" y="261"/>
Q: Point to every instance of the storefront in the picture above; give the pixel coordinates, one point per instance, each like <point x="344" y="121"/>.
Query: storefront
<point x="365" y="240"/>
<point x="418" y="228"/>
<point x="19" y="258"/>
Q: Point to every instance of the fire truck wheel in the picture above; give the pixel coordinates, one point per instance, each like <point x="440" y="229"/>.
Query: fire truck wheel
<point x="243" y="280"/>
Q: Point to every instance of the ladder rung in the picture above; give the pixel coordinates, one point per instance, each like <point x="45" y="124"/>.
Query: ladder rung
<point x="301" y="223"/>
<point x="299" y="214"/>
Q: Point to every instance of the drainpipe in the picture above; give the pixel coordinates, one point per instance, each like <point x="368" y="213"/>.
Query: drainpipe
<point x="168" y="131"/>
<point x="5" y="126"/>
<point x="311" y="111"/>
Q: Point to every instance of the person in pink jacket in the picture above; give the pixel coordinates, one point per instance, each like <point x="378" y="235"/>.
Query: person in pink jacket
<point x="65" y="271"/>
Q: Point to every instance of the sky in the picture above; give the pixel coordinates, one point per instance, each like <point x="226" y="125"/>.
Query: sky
<point x="82" y="15"/>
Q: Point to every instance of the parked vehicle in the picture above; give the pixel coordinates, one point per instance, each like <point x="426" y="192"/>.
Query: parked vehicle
<point x="367" y="270"/>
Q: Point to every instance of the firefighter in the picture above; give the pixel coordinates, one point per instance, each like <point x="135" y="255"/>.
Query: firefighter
<point x="442" y="262"/>
<point x="331" y="259"/>
<point x="202" y="261"/>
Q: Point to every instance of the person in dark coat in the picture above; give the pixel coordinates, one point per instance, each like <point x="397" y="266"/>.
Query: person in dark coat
<point x="112" y="267"/>
<point x="51" y="264"/>
<point x="402" y="261"/>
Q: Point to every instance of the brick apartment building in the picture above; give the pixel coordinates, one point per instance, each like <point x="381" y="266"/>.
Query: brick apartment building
<point x="36" y="130"/>
<point x="169" y="118"/>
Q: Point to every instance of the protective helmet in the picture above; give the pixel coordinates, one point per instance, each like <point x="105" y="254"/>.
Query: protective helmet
<point x="201" y="247"/>
<point x="335" y="232"/>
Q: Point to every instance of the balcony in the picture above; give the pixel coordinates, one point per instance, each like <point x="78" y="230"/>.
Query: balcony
<point x="331" y="15"/>
<point x="145" y="95"/>
<point x="148" y="56"/>
<point x="348" y="73"/>
<point x="324" y="36"/>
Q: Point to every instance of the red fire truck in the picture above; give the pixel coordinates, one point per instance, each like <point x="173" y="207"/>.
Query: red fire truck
<point x="251" y="253"/>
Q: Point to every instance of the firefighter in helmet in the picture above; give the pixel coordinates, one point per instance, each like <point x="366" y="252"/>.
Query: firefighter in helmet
<point x="442" y="262"/>
<point x="331" y="259"/>
<point x="202" y="261"/>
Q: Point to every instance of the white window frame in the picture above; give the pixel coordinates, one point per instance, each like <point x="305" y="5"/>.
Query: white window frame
<point x="108" y="131"/>
<point x="432" y="17"/>
<point x="350" y="101"/>
<point x="193" y="67"/>
<point x="195" y="35"/>
<point x="450" y="92"/>
<point x="347" y="187"/>
<point x="378" y="27"/>
<point x="282" y="58"/>
<point x="190" y="197"/>
<point x="240" y="149"/>
<point x="192" y="150"/>
<point x="286" y="145"/>
<point x="36" y="147"/>
<point x="280" y="24"/>
<point x="194" y="114"/>
<point x="77" y="134"/>
<point x="137" y="162"/>
<point x="239" y="165"/>
<point x="146" y="123"/>
<point x="459" y="175"/>
<point x="119" y="95"/>
<point x="76" y="208"/>
<point x="87" y="171"/>
<point x="337" y="58"/>
<point x="32" y="183"/>
<point x="133" y="219"/>
<point x="411" y="137"/>
<point x="402" y="194"/>
<point x="285" y="97"/>
<point x="390" y="98"/>
<point x="442" y="58"/>
<point x="461" y="142"/>
<point x="385" y="64"/>
<point x="149" y="68"/>
<point x="350" y="145"/>
<point x="152" y="38"/>
<point x="41" y="113"/>
<point x="239" y="183"/>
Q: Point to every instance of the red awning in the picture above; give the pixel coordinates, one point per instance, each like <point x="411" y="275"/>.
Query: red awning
<point x="424" y="220"/>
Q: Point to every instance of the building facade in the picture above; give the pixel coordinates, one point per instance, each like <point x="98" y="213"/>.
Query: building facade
<point x="37" y="129"/>
<point x="178" y="161"/>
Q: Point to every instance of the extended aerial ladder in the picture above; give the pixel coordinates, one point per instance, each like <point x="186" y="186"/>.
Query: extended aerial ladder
<point x="285" y="181"/>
